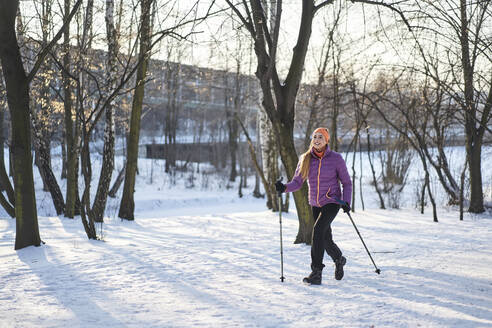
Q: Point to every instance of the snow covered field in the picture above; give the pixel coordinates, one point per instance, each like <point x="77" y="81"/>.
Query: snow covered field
<point x="205" y="258"/>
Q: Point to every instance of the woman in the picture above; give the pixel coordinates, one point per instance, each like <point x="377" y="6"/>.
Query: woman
<point x="323" y="169"/>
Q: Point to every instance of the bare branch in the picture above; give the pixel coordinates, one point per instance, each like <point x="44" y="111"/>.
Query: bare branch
<point x="273" y="44"/>
<point x="486" y="114"/>
<point x="246" y="23"/>
<point x="266" y="185"/>
<point x="50" y="45"/>
<point x="322" y="4"/>
<point x="387" y="5"/>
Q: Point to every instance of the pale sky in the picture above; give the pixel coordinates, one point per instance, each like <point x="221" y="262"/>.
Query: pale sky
<point x="215" y="43"/>
<point x="360" y="45"/>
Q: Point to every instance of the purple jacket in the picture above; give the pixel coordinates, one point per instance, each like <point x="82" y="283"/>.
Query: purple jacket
<point x="325" y="175"/>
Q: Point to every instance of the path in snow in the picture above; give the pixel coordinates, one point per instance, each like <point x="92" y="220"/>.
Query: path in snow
<point x="222" y="270"/>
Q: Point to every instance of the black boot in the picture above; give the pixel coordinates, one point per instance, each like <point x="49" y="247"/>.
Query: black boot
<point x="339" y="267"/>
<point x="315" y="276"/>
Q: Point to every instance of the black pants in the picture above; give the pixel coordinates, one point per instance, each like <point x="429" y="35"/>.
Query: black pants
<point x="322" y="237"/>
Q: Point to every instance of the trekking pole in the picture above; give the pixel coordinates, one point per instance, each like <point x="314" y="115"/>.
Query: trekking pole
<point x="339" y="201"/>
<point x="281" y="245"/>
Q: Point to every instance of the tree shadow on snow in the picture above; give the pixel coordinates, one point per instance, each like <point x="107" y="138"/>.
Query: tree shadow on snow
<point x="449" y="300"/>
<point x="62" y="282"/>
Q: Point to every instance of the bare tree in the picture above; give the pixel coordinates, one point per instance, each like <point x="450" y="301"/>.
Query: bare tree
<point x="279" y="96"/>
<point x="127" y="205"/>
<point x="17" y="86"/>
<point x="231" y="103"/>
<point x="71" y="129"/>
<point x="460" y="29"/>
<point x="479" y="42"/>
<point x="269" y="156"/>
<point x="401" y="111"/>
<point x="112" y="36"/>
<point x="44" y="116"/>
<point x="361" y="113"/>
<point x="90" y="109"/>
<point x="395" y="161"/>
<point x="321" y="99"/>
<point x="373" y="171"/>
<point x="5" y="185"/>
<point x="172" y="87"/>
<point x="147" y="40"/>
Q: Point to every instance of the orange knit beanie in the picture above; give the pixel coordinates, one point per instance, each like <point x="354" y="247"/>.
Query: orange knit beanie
<point x="324" y="132"/>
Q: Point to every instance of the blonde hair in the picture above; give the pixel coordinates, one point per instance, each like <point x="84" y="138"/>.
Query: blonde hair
<point x="305" y="161"/>
<point x="306" y="157"/>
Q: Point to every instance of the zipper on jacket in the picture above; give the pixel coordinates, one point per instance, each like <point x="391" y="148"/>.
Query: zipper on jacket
<point x="319" y="171"/>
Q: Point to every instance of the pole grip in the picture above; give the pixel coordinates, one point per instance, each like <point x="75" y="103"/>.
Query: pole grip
<point x="279" y="193"/>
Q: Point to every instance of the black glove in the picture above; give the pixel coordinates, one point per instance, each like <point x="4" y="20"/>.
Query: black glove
<point x="279" y="186"/>
<point x="345" y="206"/>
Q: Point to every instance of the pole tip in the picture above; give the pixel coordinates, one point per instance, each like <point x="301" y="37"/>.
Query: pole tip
<point x="282" y="278"/>
<point x="378" y="271"/>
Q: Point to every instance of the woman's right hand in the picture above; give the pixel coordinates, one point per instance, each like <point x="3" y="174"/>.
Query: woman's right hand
<point x="280" y="187"/>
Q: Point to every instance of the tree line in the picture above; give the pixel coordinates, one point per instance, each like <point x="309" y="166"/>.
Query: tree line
<point x="52" y="80"/>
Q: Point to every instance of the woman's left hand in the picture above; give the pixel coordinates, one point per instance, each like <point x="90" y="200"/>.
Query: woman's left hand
<point x="345" y="206"/>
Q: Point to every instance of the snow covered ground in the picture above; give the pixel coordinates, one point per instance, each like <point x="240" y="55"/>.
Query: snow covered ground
<point x="202" y="257"/>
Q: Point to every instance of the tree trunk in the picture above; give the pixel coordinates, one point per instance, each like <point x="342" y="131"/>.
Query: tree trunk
<point x="257" y="192"/>
<point x="427" y="185"/>
<point x="4" y="178"/>
<point x="70" y="137"/>
<point x="118" y="182"/>
<point x="241" y="179"/>
<point x="422" y="195"/>
<point x="474" y="137"/>
<point x="42" y="142"/>
<point x="334" y="118"/>
<point x="106" y="168"/>
<point x="279" y="101"/>
<point x="79" y="125"/>
<point x="171" y="116"/>
<point x="17" y="85"/>
<point x="86" y="216"/>
<point x="259" y="171"/>
<point x="63" y="146"/>
<point x="108" y="154"/>
<point x="233" y="146"/>
<point x="462" y="189"/>
<point x="374" y="179"/>
<point x="360" y="176"/>
<point x="354" y="174"/>
<point x="49" y="179"/>
<point x="431" y="197"/>
<point x="269" y="156"/>
<point x="11" y="156"/>
<point x="232" y="127"/>
<point x="127" y="205"/>
<point x="71" y="207"/>
<point x="475" y="165"/>
<point x="304" y="212"/>
<point x="443" y="173"/>
<point x="37" y="162"/>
